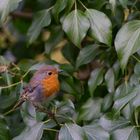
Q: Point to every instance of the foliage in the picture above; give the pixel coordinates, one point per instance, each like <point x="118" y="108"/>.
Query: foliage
<point x="96" y="43"/>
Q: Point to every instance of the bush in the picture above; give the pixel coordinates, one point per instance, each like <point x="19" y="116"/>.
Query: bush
<point x="96" y="43"/>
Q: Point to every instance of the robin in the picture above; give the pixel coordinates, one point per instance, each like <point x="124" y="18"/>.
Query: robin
<point x="42" y="87"/>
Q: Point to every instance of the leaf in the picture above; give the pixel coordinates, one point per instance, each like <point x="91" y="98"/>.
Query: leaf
<point x="113" y="5"/>
<point x="124" y="3"/>
<point x="121" y="102"/>
<point x="65" y="108"/>
<point x="4" y="61"/>
<point x="127" y="133"/>
<point x="107" y="102"/>
<point x="96" y="132"/>
<point x="110" y="80"/>
<point x="7" y="100"/>
<point x="71" y="132"/>
<point x="127" y="41"/>
<point x="6" y="6"/>
<point x="71" y="85"/>
<point x="87" y="54"/>
<point x="70" y="52"/>
<point x="137" y="69"/>
<point x="60" y="5"/>
<point x="54" y="39"/>
<point x="76" y="26"/>
<point x="28" y="114"/>
<point x="110" y="124"/>
<point x="100" y="26"/>
<point x="90" y="110"/>
<point x="95" y="79"/>
<point x="4" y="129"/>
<point x="36" y="66"/>
<point x="31" y="133"/>
<point x="41" y="19"/>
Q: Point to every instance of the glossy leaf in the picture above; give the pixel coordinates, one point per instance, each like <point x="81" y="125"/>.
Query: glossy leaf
<point x="76" y="26"/>
<point x="110" y="80"/>
<point x="71" y="132"/>
<point x="87" y="54"/>
<point x="127" y="41"/>
<point x="124" y="3"/>
<point x="96" y="132"/>
<point x="60" y="5"/>
<point x="35" y="132"/>
<point x="121" y="102"/>
<point x="110" y="124"/>
<point x="4" y="129"/>
<point x="95" y="79"/>
<point x="100" y="26"/>
<point x="4" y="61"/>
<point x="127" y="133"/>
<point x="107" y="102"/>
<point x="6" y="6"/>
<point x="70" y="52"/>
<point x="90" y="110"/>
<point x="54" y="39"/>
<point x="41" y="19"/>
<point x="113" y="5"/>
<point x="137" y="69"/>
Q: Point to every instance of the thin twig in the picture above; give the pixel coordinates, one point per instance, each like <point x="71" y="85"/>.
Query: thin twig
<point x="22" y="14"/>
<point x="9" y="86"/>
<point x="49" y="129"/>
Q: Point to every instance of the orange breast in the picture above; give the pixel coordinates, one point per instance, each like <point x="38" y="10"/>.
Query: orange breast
<point x="50" y="85"/>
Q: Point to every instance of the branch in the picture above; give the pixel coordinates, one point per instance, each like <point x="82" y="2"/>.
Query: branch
<point x="22" y="14"/>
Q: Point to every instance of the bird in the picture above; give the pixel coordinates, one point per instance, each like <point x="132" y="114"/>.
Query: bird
<point x="43" y="86"/>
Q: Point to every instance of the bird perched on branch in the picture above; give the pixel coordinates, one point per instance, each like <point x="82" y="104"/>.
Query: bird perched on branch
<point x="43" y="85"/>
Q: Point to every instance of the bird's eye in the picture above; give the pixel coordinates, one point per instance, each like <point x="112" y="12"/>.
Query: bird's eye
<point x="50" y="73"/>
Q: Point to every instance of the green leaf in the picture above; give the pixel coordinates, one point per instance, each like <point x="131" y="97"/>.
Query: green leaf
<point x="41" y="20"/>
<point x="110" y="80"/>
<point x="96" y="132"/>
<point x="95" y="79"/>
<point x="137" y="69"/>
<point x="7" y="100"/>
<point x="60" y="5"/>
<point x="90" y="110"/>
<point x="65" y="108"/>
<point x="127" y="133"/>
<point x="71" y="132"/>
<point x="4" y="129"/>
<point x="4" y="61"/>
<point x="76" y="26"/>
<point x="6" y="6"/>
<point x="70" y="52"/>
<point x="124" y="3"/>
<point x="113" y="5"/>
<point x="28" y="114"/>
<point x="107" y="102"/>
<point x="32" y="133"/>
<point x="127" y="41"/>
<point x="110" y="124"/>
<point x="54" y="39"/>
<point x="100" y="26"/>
<point x="121" y="102"/>
<point x="87" y="54"/>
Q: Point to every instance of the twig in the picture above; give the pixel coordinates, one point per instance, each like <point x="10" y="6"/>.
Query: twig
<point x="21" y="14"/>
<point x="9" y="86"/>
<point x="49" y="129"/>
